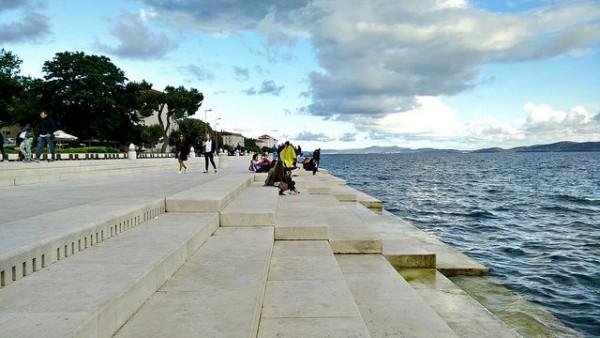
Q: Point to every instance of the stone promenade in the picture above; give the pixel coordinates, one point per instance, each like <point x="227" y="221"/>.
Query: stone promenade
<point x="133" y="249"/>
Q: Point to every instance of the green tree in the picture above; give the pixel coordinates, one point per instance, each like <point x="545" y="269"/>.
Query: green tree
<point x="11" y="86"/>
<point x="88" y="96"/>
<point x="151" y="135"/>
<point x="173" y="104"/>
<point x="250" y="145"/>
<point x="193" y="129"/>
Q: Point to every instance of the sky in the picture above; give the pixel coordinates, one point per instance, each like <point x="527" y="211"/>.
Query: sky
<point x="462" y="74"/>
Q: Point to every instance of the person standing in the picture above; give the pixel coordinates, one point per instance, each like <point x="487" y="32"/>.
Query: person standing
<point x="2" y="148"/>
<point x="46" y="137"/>
<point x="275" y="152"/>
<point x="316" y="159"/>
<point x="208" y="153"/>
<point x="183" y="150"/>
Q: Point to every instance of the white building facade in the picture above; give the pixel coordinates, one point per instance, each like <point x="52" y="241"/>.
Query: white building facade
<point x="266" y="141"/>
<point x="233" y="139"/>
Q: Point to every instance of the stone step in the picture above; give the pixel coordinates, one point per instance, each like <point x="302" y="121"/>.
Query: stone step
<point x="212" y="196"/>
<point x="349" y="234"/>
<point x="466" y="316"/>
<point x="388" y="304"/>
<point x="307" y="296"/>
<point x="368" y="201"/>
<point x="298" y="218"/>
<point x="35" y="173"/>
<point x="31" y="244"/>
<point x="255" y="206"/>
<point x="344" y="193"/>
<point x="408" y="246"/>
<point x="93" y="293"/>
<point x="217" y="293"/>
<point x="326" y="177"/>
<point x="260" y="177"/>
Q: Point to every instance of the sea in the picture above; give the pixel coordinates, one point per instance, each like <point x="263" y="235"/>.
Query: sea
<point x="532" y="218"/>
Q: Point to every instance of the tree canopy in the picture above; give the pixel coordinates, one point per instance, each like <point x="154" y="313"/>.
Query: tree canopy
<point x="88" y="96"/>
<point x="91" y="97"/>
<point x="172" y="105"/>
<point x="11" y="85"/>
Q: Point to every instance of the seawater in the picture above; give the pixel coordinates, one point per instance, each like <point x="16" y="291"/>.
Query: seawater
<point x="532" y="218"/>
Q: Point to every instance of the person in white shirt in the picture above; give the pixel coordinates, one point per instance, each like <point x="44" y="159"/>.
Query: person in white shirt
<point x="208" y="153"/>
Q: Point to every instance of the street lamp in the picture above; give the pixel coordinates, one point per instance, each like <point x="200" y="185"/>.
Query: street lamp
<point x="206" y="121"/>
<point x="216" y="133"/>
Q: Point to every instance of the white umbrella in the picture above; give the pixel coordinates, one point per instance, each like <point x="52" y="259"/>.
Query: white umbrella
<point x="62" y="136"/>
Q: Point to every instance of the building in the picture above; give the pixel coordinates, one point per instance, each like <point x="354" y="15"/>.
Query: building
<point x="232" y="139"/>
<point x="266" y="141"/>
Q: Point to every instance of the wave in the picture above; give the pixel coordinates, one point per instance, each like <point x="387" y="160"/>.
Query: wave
<point x="564" y="209"/>
<point x="475" y="214"/>
<point x="578" y="200"/>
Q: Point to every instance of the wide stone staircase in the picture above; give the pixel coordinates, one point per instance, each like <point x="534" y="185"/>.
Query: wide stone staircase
<point x="228" y="257"/>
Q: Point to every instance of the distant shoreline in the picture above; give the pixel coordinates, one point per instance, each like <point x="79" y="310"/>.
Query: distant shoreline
<point x="559" y="147"/>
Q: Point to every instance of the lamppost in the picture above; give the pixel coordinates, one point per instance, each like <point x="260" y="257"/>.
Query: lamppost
<point x="206" y="121"/>
<point x="216" y="134"/>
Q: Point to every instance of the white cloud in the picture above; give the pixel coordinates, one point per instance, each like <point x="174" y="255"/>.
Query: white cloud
<point x="387" y="60"/>
<point x="145" y="15"/>
<point x="430" y="117"/>
<point x="545" y="122"/>
<point x="136" y="39"/>
<point x="431" y="122"/>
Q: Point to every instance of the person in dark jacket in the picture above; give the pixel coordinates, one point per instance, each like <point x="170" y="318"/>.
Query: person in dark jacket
<point x="46" y="137"/>
<point x="183" y="150"/>
<point x="316" y="159"/>
<point x="2" y="148"/>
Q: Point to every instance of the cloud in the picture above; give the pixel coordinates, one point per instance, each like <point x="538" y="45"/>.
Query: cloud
<point x="378" y="57"/>
<point x="12" y="4"/>
<point x="241" y="73"/>
<point x="377" y="61"/>
<point x="29" y="25"/>
<point x="348" y="137"/>
<point x="430" y="117"/>
<point x="309" y="136"/>
<point x="434" y="122"/>
<point x="200" y="73"/>
<point x="136" y="40"/>
<point x="260" y="70"/>
<point x="250" y="91"/>
<point x="545" y="122"/>
<point x="267" y="87"/>
<point x="225" y="17"/>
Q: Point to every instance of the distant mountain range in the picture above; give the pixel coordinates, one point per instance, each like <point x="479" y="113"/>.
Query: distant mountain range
<point x="554" y="147"/>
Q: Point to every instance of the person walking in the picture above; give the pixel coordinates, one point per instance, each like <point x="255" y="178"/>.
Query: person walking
<point x="208" y="153"/>
<point x="183" y="150"/>
<point x="46" y="137"/>
<point x="26" y="136"/>
<point x="2" y="148"/>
